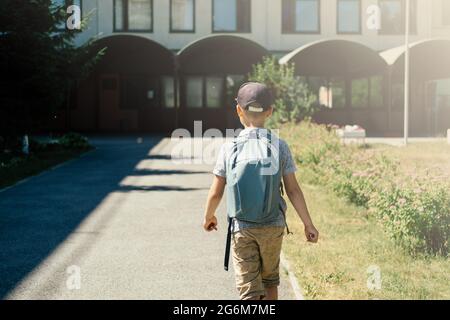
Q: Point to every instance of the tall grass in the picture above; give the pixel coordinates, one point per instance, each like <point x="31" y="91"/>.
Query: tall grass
<point x="414" y="210"/>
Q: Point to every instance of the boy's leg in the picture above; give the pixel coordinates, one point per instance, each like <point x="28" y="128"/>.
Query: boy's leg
<point x="270" y="241"/>
<point x="271" y="293"/>
<point x="247" y="265"/>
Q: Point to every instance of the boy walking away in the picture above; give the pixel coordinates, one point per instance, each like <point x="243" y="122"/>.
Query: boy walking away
<point x="253" y="169"/>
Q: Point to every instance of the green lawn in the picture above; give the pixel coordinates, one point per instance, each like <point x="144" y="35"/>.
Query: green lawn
<point x="34" y="164"/>
<point x="351" y="241"/>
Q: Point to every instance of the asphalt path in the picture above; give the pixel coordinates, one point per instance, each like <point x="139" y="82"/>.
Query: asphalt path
<point x="121" y="222"/>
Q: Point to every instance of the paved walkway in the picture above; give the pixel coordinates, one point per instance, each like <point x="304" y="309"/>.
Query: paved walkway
<point x="126" y="217"/>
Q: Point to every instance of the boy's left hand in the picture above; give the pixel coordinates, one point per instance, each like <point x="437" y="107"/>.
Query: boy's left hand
<point x="312" y="235"/>
<point x="210" y="224"/>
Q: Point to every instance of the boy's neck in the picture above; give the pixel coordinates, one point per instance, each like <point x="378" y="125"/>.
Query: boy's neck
<point x="252" y="126"/>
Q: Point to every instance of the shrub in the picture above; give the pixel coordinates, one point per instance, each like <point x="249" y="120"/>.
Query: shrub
<point x="415" y="214"/>
<point x="74" y="141"/>
<point x="294" y="101"/>
<point x="417" y="218"/>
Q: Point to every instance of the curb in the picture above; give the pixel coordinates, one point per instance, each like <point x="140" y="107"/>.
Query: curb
<point x="47" y="170"/>
<point x="292" y="278"/>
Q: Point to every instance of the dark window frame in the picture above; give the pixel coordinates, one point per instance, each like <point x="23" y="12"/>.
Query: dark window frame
<point x="359" y="32"/>
<point x="125" y="18"/>
<point x="291" y="29"/>
<point x="413" y="22"/>
<point x="185" y="95"/>
<point x="172" y="30"/>
<point x="244" y="30"/>
<point x="204" y="77"/>
<point x="162" y="93"/>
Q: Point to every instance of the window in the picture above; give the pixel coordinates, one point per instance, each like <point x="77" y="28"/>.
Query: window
<point x="182" y="15"/>
<point x="376" y="92"/>
<point x="360" y="93"/>
<point x="446" y="12"/>
<point x="214" y="91"/>
<point x="398" y="95"/>
<point x="234" y="81"/>
<point x="320" y="88"/>
<point x="231" y="16"/>
<point x="168" y="86"/>
<point x="133" y="15"/>
<point x="301" y="16"/>
<point x="337" y="93"/>
<point x="367" y="92"/>
<point x="393" y="16"/>
<point x="194" y="92"/>
<point x="349" y="16"/>
<point x="330" y="92"/>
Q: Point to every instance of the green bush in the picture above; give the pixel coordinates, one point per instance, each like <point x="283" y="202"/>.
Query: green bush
<point x="416" y="217"/>
<point x="74" y="141"/>
<point x="415" y="214"/>
<point x="294" y="101"/>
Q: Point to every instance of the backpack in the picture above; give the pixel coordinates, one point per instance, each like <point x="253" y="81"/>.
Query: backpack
<point x="254" y="184"/>
<point x="254" y="178"/>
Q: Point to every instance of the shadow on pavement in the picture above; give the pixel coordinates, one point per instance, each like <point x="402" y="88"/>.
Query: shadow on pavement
<point x="156" y="188"/>
<point x="152" y="172"/>
<point x="38" y="215"/>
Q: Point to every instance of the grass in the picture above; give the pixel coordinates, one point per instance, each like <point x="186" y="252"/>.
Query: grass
<point x="35" y="164"/>
<point x="351" y="241"/>
<point x="432" y="158"/>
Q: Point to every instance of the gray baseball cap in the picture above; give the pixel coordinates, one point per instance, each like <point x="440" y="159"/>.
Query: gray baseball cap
<point x="255" y="97"/>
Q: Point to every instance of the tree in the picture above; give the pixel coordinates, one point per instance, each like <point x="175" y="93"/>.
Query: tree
<point x="39" y="64"/>
<point x="294" y="101"/>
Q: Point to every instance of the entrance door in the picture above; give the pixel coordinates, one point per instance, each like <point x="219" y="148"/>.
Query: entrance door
<point x="109" y="100"/>
<point x="150" y="110"/>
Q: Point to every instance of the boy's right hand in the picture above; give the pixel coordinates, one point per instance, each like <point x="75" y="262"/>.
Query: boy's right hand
<point x="210" y="224"/>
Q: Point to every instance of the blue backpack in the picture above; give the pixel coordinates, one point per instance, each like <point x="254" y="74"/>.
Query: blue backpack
<point x="254" y="178"/>
<point x="254" y="184"/>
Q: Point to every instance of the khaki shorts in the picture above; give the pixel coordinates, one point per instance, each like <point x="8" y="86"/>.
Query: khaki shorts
<point x="256" y="259"/>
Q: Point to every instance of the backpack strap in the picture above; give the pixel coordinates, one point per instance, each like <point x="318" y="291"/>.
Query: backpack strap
<point x="228" y="245"/>
<point x="235" y="155"/>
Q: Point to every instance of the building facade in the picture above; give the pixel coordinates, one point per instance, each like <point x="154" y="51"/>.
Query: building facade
<point x="171" y="62"/>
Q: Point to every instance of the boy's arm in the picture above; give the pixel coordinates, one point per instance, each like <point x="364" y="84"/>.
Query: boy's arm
<point x="214" y="197"/>
<point x="297" y="199"/>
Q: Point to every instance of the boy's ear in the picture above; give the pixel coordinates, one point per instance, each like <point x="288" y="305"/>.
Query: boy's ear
<point x="269" y="112"/>
<point x="239" y="110"/>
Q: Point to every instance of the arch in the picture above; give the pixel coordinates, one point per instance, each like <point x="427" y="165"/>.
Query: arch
<point x="429" y="59"/>
<point x="220" y="54"/>
<point x="216" y="65"/>
<point x="335" y="57"/>
<point x="126" y="53"/>
<point x="125" y="90"/>
<point x="429" y="86"/>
